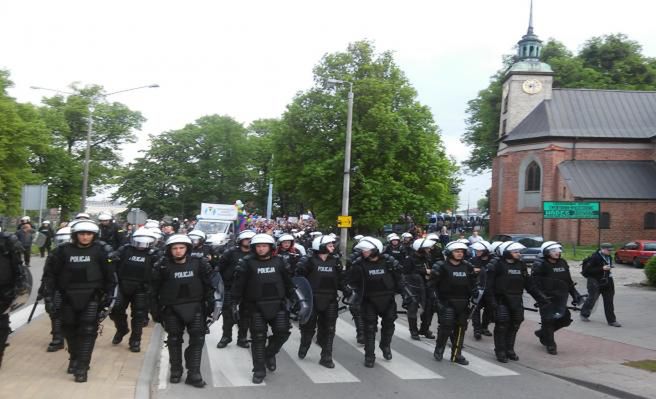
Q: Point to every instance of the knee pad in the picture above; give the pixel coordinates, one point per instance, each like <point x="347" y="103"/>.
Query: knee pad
<point x="88" y="329"/>
<point x="503" y="314"/>
<point x="258" y="324"/>
<point x="281" y="323"/>
<point x="174" y="340"/>
<point x="447" y="317"/>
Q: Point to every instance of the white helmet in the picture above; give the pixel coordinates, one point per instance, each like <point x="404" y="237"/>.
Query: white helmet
<point x="494" y="246"/>
<point x="262" y="239"/>
<point x="358" y="237"/>
<point x="245" y="235"/>
<point x="157" y="233"/>
<point x="370" y="244"/>
<point x="178" y="239"/>
<point x="433" y="236"/>
<point x="25" y="219"/>
<point x="104" y="217"/>
<point x="454" y="246"/>
<point x="319" y="244"/>
<point x="393" y="236"/>
<point x="421" y="243"/>
<point x="62" y="236"/>
<point x="316" y="234"/>
<point x="549" y="246"/>
<point x="406" y="235"/>
<point x="463" y="241"/>
<point x="301" y="249"/>
<point x="82" y="215"/>
<point x="508" y="247"/>
<point x="151" y="224"/>
<point x="197" y="237"/>
<point x="86" y="226"/>
<point x="285" y="237"/>
<point x="143" y="238"/>
<point x="46" y="222"/>
<point x="481" y="246"/>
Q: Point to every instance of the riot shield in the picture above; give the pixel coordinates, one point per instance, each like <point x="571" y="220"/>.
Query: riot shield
<point x="22" y="295"/>
<point x="219" y="297"/>
<point x="304" y="297"/>
<point x="557" y="291"/>
<point x="40" y="239"/>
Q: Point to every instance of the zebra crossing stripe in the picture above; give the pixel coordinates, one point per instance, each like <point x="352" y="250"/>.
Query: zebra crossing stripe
<point x="476" y="364"/>
<point x="310" y="365"/>
<point x="401" y="366"/>
<point x="231" y="366"/>
<point x="163" y="364"/>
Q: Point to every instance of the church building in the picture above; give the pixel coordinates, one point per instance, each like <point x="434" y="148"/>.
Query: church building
<point x="572" y="145"/>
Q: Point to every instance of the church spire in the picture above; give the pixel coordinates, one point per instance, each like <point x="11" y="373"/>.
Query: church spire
<point x="530" y="47"/>
<point x="530" y="21"/>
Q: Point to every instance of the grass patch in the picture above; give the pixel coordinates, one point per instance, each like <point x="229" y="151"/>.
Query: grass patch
<point x="578" y="252"/>
<point x="648" y="365"/>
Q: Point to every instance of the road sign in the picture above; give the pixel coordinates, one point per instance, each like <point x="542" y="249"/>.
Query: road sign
<point x="570" y="210"/>
<point x="344" y="221"/>
<point x="34" y="197"/>
<point x="137" y="216"/>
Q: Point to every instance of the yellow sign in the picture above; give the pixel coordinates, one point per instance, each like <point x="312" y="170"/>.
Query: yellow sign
<point x="344" y="221"/>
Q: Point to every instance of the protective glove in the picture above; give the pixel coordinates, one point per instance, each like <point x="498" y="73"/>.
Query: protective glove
<point x="235" y="312"/>
<point x="50" y="304"/>
<point x="347" y="291"/>
<point x="578" y="299"/>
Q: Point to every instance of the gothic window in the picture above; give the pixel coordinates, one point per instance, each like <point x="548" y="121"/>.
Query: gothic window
<point x="505" y="104"/>
<point x="532" y="180"/>
<point x="604" y="220"/>
<point x="503" y="127"/>
<point x="531" y="51"/>
<point x="650" y="220"/>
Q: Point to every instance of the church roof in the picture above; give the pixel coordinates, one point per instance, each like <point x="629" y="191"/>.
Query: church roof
<point x="610" y="179"/>
<point x="584" y="113"/>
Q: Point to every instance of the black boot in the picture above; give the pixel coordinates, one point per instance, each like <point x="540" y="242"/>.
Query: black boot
<point x="369" y="346"/>
<point x="118" y="337"/>
<point x="327" y="360"/>
<point x="369" y="361"/>
<point x="306" y="341"/>
<point x="414" y="332"/>
<point x="72" y="366"/>
<point x="510" y="344"/>
<point x="194" y="379"/>
<point x="121" y="323"/>
<point x="271" y="363"/>
<point x="56" y="344"/>
<point x="500" y="348"/>
<point x="81" y="375"/>
<point x="175" y="360"/>
<point x="501" y="356"/>
<point x="440" y="344"/>
<point x="225" y="340"/>
<point x="258" y="377"/>
<point x="135" y="346"/>
<point x="427" y="333"/>
<point x="438" y="353"/>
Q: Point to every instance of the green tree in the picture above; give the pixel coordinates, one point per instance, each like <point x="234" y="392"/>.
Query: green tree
<point x="207" y="161"/>
<point x="606" y="62"/>
<point x="22" y="135"/>
<point x="399" y="166"/>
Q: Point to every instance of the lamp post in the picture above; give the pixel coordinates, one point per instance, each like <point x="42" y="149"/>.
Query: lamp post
<point x="87" y="152"/>
<point x="343" y="236"/>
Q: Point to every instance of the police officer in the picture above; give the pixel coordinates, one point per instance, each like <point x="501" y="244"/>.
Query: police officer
<point x="376" y="277"/>
<point x="288" y="251"/>
<point x="110" y="232"/>
<point x="600" y="282"/>
<point x="406" y="242"/>
<point x="84" y="276"/>
<point x="11" y="282"/>
<point x="226" y="265"/>
<point x="417" y="270"/>
<point x="183" y="297"/>
<point x="53" y="303"/>
<point x="354" y="308"/>
<point x="481" y="259"/>
<point x="325" y="276"/>
<point x="394" y="248"/>
<point x="262" y="284"/>
<point x="134" y="263"/>
<point x="551" y="275"/>
<point x="506" y="281"/>
<point x="455" y="281"/>
<point x="199" y="249"/>
<point x="48" y="233"/>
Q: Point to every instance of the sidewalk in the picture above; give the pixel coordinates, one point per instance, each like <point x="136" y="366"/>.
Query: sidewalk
<point x="28" y="371"/>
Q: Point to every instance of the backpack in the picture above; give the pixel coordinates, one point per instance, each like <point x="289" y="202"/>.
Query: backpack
<point x="585" y="266"/>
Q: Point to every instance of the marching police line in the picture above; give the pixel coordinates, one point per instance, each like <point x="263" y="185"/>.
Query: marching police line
<point x="260" y="285"/>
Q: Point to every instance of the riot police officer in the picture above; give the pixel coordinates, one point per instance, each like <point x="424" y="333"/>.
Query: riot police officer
<point x="406" y="242"/>
<point x="53" y="303"/>
<point x="376" y="278"/>
<point x="83" y="274"/>
<point x="506" y="280"/>
<point x="183" y="297"/>
<point x="325" y="276"/>
<point x="134" y="263"/>
<point x="455" y="281"/>
<point x="394" y="248"/>
<point x="262" y="284"/>
<point x="198" y="247"/>
<point x="11" y="283"/>
<point x="481" y="259"/>
<point x="287" y="250"/>
<point x="354" y="308"/>
<point x="417" y="270"/>
<point x="552" y="277"/>
<point x="226" y="265"/>
<point x="110" y="232"/>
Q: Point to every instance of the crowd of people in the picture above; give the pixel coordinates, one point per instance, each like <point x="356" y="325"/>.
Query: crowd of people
<point x="169" y="273"/>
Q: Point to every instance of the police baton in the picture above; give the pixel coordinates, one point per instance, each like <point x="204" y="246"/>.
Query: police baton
<point x="29" y="319"/>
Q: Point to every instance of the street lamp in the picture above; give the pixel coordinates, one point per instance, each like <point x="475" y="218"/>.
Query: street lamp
<point x="343" y="237"/>
<point x="87" y="153"/>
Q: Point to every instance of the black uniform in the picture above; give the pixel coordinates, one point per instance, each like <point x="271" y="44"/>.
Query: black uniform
<point x="85" y="279"/>
<point x="325" y="278"/>
<point x="133" y="267"/>
<point x="553" y="279"/>
<point x="377" y="282"/>
<point x="226" y="265"/>
<point x="415" y="270"/>
<point x="355" y="309"/>
<point x="600" y="282"/>
<point x="261" y="286"/>
<point x="11" y="281"/>
<point x="481" y="320"/>
<point x="291" y="258"/>
<point x="46" y="230"/>
<point x="112" y="234"/>
<point x="201" y="251"/>
<point x="53" y="305"/>
<point x="183" y="297"/>
<point x="505" y="284"/>
<point x="396" y="252"/>
<point x="454" y="283"/>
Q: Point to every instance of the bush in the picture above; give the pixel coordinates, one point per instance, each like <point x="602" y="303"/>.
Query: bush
<point x="650" y="271"/>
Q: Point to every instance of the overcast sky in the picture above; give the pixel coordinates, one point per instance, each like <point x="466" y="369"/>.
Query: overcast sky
<point x="247" y="59"/>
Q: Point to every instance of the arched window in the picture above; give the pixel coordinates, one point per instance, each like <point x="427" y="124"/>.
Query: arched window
<point x="604" y="220"/>
<point x="650" y="220"/>
<point x="532" y="180"/>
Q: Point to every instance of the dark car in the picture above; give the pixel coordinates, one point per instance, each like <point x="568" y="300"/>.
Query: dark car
<point x="532" y="243"/>
<point x="636" y="252"/>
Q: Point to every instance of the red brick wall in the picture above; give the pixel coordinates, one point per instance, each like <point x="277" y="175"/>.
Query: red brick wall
<point x="626" y="217"/>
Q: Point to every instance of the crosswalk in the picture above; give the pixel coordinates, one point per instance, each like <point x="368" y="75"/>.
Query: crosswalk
<point x="231" y="366"/>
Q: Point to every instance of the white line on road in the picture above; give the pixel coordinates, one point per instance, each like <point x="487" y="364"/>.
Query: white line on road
<point x="400" y="365"/>
<point x="19" y="317"/>
<point x="310" y="366"/>
<point x="163" y="364"/>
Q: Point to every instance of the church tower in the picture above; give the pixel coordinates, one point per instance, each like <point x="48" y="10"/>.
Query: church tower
<point x="527" y="83"/>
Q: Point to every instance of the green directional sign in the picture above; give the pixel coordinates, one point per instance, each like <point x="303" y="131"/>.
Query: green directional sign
<point x="570" y="210"/>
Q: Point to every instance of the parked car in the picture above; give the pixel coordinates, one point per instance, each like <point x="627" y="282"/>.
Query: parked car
<point x="636" y="252"/>
<point x="532" y="243"/>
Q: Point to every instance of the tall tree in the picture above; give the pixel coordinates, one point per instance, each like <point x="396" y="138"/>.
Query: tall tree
<point x="606" y="62"/>
<point x="399" y="166"/>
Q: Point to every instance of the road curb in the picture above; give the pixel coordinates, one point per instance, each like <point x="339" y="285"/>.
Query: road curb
<point x="143" y="389"/>
<point x="597" y="387"/>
